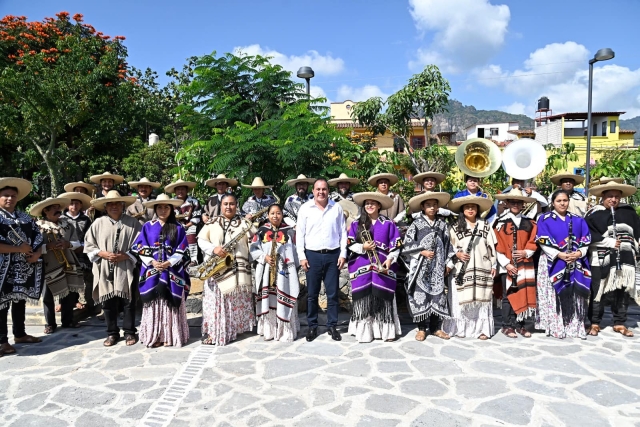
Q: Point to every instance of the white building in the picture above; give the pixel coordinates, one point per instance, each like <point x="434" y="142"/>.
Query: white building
<point x="499" y="132"/>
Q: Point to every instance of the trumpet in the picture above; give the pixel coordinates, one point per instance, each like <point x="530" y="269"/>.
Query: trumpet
<point x="59" y="253"/>
<point x="374" y="259"/>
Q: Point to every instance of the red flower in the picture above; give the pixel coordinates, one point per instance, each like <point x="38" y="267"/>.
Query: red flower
<point x="78" y="17"/>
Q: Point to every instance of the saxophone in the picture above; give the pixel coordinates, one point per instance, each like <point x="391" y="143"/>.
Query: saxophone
<point x="273" y="269"/>
<point x="216" y="264"/>
<point x="259" y="213"/>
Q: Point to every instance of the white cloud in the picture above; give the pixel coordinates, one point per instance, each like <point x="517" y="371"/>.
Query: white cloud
<point x="515" y="108"/>
<point x="467" y="33"/>
<point x="321" y="64"/>
<point x="359" y="93"/>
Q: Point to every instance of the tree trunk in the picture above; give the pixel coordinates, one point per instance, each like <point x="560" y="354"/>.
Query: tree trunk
<point x="52" y="165"/>
<point x="425" y="128"/>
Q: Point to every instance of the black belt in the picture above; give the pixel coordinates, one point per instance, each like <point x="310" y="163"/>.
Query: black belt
<point x="325" y="251"/>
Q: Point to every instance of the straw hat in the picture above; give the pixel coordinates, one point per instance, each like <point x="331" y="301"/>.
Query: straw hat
<point x="144" y="181"/>
<point x="605" y="180"/>
<point x="117" y="179"/>
<point x="179" y="183"/>
<point x="557" y="178"/>
<point x="74" y="195"/>
<point x="385" y="201"/>
<point x="112" y="196"/>
<point x="163" y="199"/>
<point x="626" y="189"/>
<point x="257" y="183"/>
<point x="72" y="185"/>
<point x="442" y="198"/>
<point x="24" y="187"/>
<point x="515" y="194"/>
<point x="374" y="179"/>
<point x="439" y="177"/>
<point x="343" y="178"/>
<point x="36" y="210"/>
<point x="221" y="178"/>
<point x="484" y="203"/>
<point x="300" y="178"/>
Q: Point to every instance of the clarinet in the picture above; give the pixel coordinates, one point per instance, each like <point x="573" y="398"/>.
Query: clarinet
<point x="463" y="268"/>
<point x="615" y="236"/>
<point x="514" y="277"/>
<point x="161" y="254"/>
<point x="116" y="244"/>
<point x="567" y="269"/>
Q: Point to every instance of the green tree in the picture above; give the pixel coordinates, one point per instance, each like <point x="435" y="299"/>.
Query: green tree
<point x="623" y="164"/>
<point x="558" y="159"/>
<point x="156" y="162"/>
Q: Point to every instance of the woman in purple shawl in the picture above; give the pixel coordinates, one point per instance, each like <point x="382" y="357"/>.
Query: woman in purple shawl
<point x="564" y="278"/>
<point x="372" y="270"/>
<point x="164" y="284"/>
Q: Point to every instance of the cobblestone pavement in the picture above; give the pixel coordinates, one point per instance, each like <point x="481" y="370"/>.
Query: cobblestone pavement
<point x="71" y="379"/>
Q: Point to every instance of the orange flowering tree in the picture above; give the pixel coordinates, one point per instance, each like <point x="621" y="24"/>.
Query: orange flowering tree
<point x="66" y="93"/>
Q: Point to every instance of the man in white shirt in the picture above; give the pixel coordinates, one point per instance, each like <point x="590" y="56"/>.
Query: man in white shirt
<point x="322" y="249"/>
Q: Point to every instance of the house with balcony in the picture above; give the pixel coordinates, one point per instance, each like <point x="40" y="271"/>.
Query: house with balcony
<point x="501" y="133"/>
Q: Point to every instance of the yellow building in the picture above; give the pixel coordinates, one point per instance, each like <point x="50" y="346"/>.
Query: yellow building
<point x="341" y="117"/>
<point x="564" y="128"/>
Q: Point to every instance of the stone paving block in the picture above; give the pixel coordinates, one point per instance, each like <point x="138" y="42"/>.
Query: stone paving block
<point x="393" y="367"/>
<point x="452" y="404"/>
<point x="322" y="396"/>
<point x="378" y="382"/>
<point x="31" y="403"/>
<point x="560" y="379"/>
<point x="369" y="421"/>
<point x="354" y="368"/>
<point x="95" y="420"/>
<point x="136" y="412"/>
<point x="134" y="386"/>
<point x="479" y="387"/>
<point x="562" y="365"/>
<point x="321" y="348"/>
<point x="29" y="420"/>
<point x="435" y="368"/>
<point x="437" y="418"/>
<point x="457" y="353"/>
<point x="341" y="409"/>
<point x="497" y="368"/>
<point x="124" y="362"/>
<point x="416" y="348"/>
<point x="257" y="420"/>
<point x="561" y="349"/>
<point x="423" y="387"/>
<point x="528" y="385"/>
<point x="603" y="363"/>
<point x="168" y="357"/>
<point x="64" y="359"/>
<point x="276" y="369"/>
<point x="316" y="419"/>
<point x="577" y="415"/>
<point x="31" y="386"/>
<point x="628" y="380"/>
<point x="299" y="382"/>
<point x="83" y="397"/>
<point x="237" y="369"/>
<point x="511" y="409"/>
<point x="355" y="391"/>
<point x="287" y="408"/>
<point x="390" y="404"/>
<point x="606" y="393"/>
<point x="386" y="353"/>
<point x="518" y="353"/>
<point x="237" y="402"/>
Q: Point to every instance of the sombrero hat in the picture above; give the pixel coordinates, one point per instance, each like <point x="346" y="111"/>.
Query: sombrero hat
<point x="144" y="181"/>
<point x="36" y="210"/>
<point x="385" y="201"/>
<point x="162" y="199"/>
<point x="117" y="179"/>
<point x="221" y="178"/>
<point x="557" y="178"/>
<point x="257" y="183"/>
<point x="112" y="196"/>
<point x="515" y="194"/>
<point x="373" y="180"/>
<point x="179" y="183"/>
<point x="484" y="203"/>
<point x="626" y="189"/>
<point x="24" y="187"/>
<point x="72" y="185"/>
<point x="74" y="195"/>
<point x="442" y="198"/>
<point x="439" y="177"/>
<point x="300" y="178"/>
<point x="343" y="178"/>
<point x="605" y="180"/>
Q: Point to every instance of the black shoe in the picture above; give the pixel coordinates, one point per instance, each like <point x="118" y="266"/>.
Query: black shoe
<point x="312" y="334"/>
<point x="335" y="335"/>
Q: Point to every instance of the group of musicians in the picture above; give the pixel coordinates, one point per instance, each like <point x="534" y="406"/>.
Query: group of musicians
<point x="549" y="259"/>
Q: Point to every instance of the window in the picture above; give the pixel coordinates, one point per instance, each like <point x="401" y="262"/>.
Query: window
<point x="398" y="145"/>
<point x="604" y="128"/>
<point x="480" y="132"/>
<point x="494" y="132"/>
<point x="417" y="142"/>
<point x="594" y="131"/>
<point x="612" y="126"/>
<point x="578" y="171"/>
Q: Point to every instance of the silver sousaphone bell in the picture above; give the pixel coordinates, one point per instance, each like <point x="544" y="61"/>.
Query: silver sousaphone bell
<point x="524" y="159"/>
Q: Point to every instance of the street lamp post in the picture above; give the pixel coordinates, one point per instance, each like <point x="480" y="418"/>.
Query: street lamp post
<point x="307" y="74"/>
<point x="604" y="54"/>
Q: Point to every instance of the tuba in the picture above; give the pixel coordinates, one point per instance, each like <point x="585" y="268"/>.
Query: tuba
<point x="524" y="159"/>
<point x="478" y="157"/>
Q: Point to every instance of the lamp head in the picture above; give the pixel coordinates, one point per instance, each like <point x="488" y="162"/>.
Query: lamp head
<point x="604" y="54"/>
<point x="305" y="73"/>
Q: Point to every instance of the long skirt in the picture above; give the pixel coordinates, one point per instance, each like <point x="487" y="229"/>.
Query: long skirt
<point x="164" y="324"/>
<point x="272" y="328"/>
<point x="366" y="330"/>
<point x="548" y="315"/>
<point x="469" y="320"/>
<point x="225" y="317"/>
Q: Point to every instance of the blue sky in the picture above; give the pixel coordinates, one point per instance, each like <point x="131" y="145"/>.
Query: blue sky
<point x="496" y="54"/>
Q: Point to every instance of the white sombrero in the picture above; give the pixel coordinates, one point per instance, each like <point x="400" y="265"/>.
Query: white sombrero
<point x="484" y="203"/>
<point x="36" y="210"/>
<point x="257" y="183"/>
<point x="117" y="179"/>
<point x="442" y="198"/>
<point x="70" y="187"/>
<point x="221" y="178"/>
<point x="179" y="183"/>
<point x="163" y="199"/>
<point x="22" y="185"/>
<point x="557" y="178"/>
<point x="74" y="195"/>
<point x="626" y="189"/>
<point x="343" y="178"/>
<point x="300" y="178"/>
<point x="385" y="201"/>
<point x="515" y="194"/>
<point x="373" y="180"/>
<point x="439" y="177"/>
<point x="112" y="196"/>
<point x="144" y="181"/>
